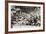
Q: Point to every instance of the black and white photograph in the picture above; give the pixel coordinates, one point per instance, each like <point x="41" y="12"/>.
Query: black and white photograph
<point x="25" y="17"/>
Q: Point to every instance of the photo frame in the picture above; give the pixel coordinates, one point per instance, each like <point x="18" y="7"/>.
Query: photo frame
<point x="23" y="16"/>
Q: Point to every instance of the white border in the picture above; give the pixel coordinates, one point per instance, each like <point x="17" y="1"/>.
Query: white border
<point x="21" y="29"/>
